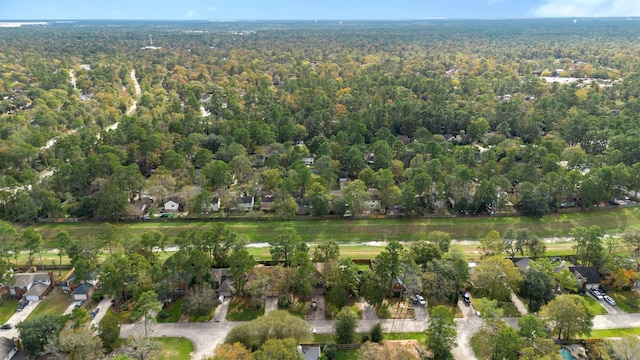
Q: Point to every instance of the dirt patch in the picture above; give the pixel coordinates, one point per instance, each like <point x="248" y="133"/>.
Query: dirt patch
<point x="404" y="349"/>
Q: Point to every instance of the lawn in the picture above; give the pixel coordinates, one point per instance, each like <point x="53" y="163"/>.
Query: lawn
<point x="357" y="231"/>
<point x="171" y="314"/>
<point x="123" y="317"/>
<point x="419" y="336"/>
<point x="54" y="304"/>
<point x="479" y="344"/>
<point x="614" y="333"/>
<point x="174" y="348"/>
<point x="300" y="309"/>
<point x="347" y="355"/>
<point x="203" y="318"/>
<point x="594" y="305"/>
<point x="238" y="310"/>
<point x="627" y="301"/>
<point x="455" y="309"/>
<point x="7" y="309"/>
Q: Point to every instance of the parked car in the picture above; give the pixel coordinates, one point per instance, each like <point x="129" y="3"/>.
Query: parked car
<point x="22" y="305"/>
<point x="94" y="312"/>
<point x="79" y="303"/>
<point x="6" y="327"/>
<point x="466" y="298"/>
<point x="314" y="306"/>
<point x="420" y="300"/>
<point x="597" y="294"/>
<point x="220" y="299"/>
<point x="608" y="299"/>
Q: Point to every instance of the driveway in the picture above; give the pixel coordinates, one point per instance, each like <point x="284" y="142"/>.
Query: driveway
<point x="318" y="314"/>
<point x="204" y="336"/>
<point x="466" y="328"/>
<point x="103" y="305"/>
<point x="368" y="311"/>
<point x="220" y="314"/>
<point x="17" y="318"/>
<point x="270" y="304"/>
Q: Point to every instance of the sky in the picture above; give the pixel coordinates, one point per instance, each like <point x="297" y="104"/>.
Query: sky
<point x="311" y="9"/>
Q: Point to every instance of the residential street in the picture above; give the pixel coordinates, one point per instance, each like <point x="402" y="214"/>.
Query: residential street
<point x="206" y="336"/>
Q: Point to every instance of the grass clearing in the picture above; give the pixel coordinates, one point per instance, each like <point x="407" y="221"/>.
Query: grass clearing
<point x="347" y="355"/>
<point x="54" y="304"/>
<point x="203" y="318"/>
<point x="627" y="301"/>
<point x="479" y="343"/>
<point x="419" y="336"/>
<point x="594" y="305"/>
<point x="7" y="309"/>
<point x="300" y="309"/>
<point x="173" y="348"/>
<point x="614" y="333"/>
<point x="239" y="311"/>
<point x="123" y="317"/>
<point x="455" y="309"/>
<point x="171" y="314"/>
<point x="364" y="230"/>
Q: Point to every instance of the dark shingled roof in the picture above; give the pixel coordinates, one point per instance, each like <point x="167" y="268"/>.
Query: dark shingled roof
<point x="590" y="273"/>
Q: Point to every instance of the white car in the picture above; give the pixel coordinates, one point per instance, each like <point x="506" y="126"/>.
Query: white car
<point x="597" y="294"/>
<point x="608" y="299"/>
<point x="420" y="300"/>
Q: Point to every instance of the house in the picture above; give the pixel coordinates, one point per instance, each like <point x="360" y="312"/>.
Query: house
<point x="215" y="204"/>
<point x="308" y="160"/>
<point x="309" y="352"/>
<point x="303" y="206"/>
<point x="374" y="203"/>
<point x="135" y="211"/>
<point x="37" y="285"/>
<point x="397" y="286"/>
<point x="8" y="348"/>
<point x="587" y="277"/>
<point x="69" y="284"/>
<point x="174" y="205"/>
<point x="226" y="289"/>
<point x="267" y="202"/>
<point x="247" y="203"/>
<point x="523" y="264"/>
<point x="83" y="292"/>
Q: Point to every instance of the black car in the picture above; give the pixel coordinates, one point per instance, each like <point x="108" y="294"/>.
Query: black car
<point x="94" y="312"/>
<point x="6" y="327"/>
<point x="22" y="305"/>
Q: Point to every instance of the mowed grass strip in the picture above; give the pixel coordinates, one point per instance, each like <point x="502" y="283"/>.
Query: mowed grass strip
<point x="364" y="230"/>
<point x="55" y="303"/>
<point x="174" y="348"/>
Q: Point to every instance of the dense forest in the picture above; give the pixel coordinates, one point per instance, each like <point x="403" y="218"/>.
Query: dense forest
<point x="410" y="118"/>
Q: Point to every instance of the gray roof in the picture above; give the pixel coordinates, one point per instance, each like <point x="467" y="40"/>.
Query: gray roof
<point x="6" y="346"/>
<point x="23" y="280"/>
<point x="84" y="288"/>
<point x="311" y="352"/>
<point x="37" y="289"/>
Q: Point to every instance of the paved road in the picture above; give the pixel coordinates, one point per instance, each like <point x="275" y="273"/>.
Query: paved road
<point x="206" y="336"/>
<point x="221" y="311"/>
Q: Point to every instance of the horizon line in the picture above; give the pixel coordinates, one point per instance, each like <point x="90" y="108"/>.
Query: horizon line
<point x="327" y="19"/>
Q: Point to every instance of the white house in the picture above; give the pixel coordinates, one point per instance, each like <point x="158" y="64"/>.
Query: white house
<point x="171" y="206"/>
<point x="7" y="348"/>
<point x="246" y="203"/>
<point x="308" y="160"/>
